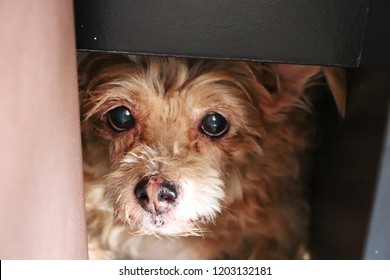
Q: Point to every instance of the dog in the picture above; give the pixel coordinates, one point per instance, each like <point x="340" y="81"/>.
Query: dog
<point x="195" y="158"/>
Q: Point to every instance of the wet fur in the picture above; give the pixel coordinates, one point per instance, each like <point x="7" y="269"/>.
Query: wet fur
<point x="243" y="195"/>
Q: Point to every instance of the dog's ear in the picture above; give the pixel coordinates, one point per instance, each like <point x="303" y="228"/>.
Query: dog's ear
<point x="286" y="84"/>
<point x="337" y="82"/>
<point x="294" y="78"/>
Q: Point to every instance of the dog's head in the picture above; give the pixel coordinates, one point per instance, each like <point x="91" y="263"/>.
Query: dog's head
<point x="173" y="137"/>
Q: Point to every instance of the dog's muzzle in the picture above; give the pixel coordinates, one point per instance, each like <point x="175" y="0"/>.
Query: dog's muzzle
<point x="156" y="195"/>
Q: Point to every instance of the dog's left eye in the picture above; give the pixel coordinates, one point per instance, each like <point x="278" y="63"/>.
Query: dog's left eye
<point x="214" y="125"/>
<point x="120" y="119"/>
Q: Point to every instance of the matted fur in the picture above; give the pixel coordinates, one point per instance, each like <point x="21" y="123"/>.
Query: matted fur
<point x="241" y="196"/>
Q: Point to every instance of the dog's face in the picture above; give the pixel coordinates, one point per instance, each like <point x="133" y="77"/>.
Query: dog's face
<point x="175" y="136"/>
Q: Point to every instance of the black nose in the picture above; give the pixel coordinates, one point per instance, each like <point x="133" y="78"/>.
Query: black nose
<point x="140" y="191"/>
<point x="156" y="195"/>
<point x="167" y="192"/>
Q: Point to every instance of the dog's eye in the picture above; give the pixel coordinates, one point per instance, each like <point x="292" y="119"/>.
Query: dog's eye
<point x="120" y="119"/>
<point x="214" y="125"/>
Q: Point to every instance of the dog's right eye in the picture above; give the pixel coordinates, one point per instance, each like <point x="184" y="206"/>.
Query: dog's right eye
<point x="214" y="125"/>
<point x="120" y="119"/>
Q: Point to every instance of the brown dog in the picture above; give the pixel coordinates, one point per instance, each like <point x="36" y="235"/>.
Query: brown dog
<point x="194" y="158"/>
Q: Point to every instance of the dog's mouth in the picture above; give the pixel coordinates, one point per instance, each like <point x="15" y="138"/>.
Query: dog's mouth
<point x="165" y="224"/>
<point x="158" y="220"/>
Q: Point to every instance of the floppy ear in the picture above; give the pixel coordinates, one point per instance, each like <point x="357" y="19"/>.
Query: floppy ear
<point x="290" y="83"/>
<point x="295" y="77"/>
<point x="337" y="81"/>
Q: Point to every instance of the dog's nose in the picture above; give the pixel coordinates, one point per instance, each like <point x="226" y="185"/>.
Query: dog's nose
<point x="156" y="195"/>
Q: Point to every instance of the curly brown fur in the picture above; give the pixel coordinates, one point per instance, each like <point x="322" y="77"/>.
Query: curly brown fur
<point x="240" y="195"/>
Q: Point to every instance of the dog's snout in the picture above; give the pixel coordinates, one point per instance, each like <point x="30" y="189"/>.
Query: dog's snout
<point x="156" y="195"/>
